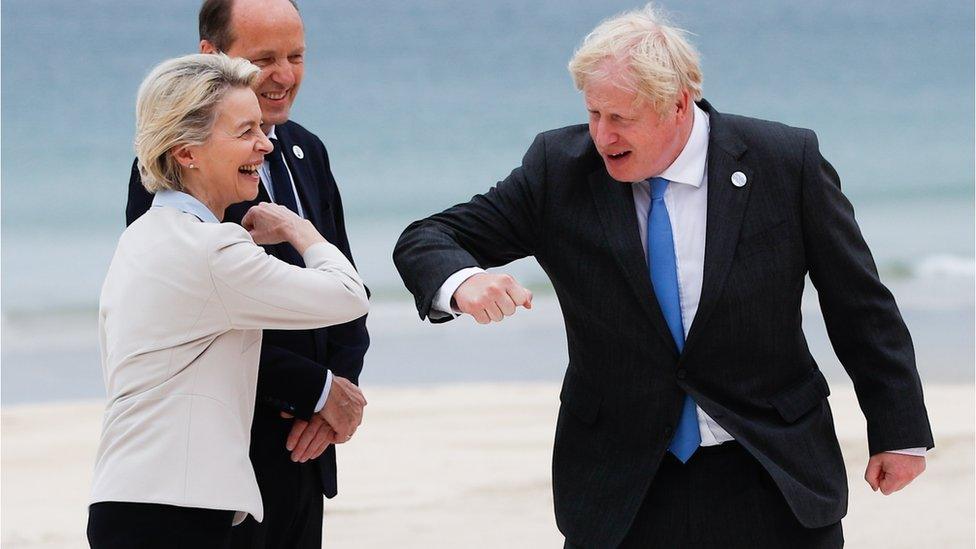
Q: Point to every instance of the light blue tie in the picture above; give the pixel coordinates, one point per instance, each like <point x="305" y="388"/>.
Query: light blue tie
<point x="664" y="279"/>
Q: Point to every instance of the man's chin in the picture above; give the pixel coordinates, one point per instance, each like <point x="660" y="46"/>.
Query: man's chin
<point x="275" y="115"/>
<point x="621" y="176"/>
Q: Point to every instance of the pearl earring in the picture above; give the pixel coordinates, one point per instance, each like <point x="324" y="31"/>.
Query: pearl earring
<point x="192" y="166"/>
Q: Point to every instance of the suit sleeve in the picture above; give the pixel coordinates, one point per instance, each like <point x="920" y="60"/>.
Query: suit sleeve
<point x="139" y="199"/>
<point x="289" y="382"/>
<point x="862" y="319"/>
<point x="292" y="382"/>
<point x="491" y="229"/>
<point x="259" y="291"/>
<point x="347" y="342"/>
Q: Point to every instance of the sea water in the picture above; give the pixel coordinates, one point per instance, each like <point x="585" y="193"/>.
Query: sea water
<point x="423" y="104"/>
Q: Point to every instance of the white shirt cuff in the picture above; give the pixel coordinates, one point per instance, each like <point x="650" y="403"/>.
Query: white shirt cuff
<point x="441" y="306"/>
<point x="325" y="392"/>
<point x="909" y="452"/>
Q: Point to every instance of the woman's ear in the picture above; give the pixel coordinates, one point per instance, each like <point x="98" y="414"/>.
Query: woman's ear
<point x="185" y="155"/>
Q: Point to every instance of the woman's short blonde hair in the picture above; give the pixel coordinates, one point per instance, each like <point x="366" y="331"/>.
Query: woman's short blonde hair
<point x="177" y="105"/>
<point x="658" y="61"/>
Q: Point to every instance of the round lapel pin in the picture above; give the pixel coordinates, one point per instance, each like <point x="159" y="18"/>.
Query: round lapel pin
<point x="299" y="153"/>
<point x="739" y="179"/>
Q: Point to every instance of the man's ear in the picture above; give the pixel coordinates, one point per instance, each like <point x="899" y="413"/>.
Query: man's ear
<point x="207" y="47"/>
<point x="683" y="103"/>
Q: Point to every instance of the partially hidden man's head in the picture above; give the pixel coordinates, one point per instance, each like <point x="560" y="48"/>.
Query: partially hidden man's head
<point x="640" y="78"/>
<point x="268" y="33"/>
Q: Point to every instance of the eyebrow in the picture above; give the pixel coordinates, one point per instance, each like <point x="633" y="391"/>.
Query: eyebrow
<point x="271" y="53"/>
<point x="622" y="114"/>
<point x="246" y="124"/>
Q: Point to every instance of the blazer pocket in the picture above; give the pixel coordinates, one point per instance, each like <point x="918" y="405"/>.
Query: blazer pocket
<point x="580" y="398"/>
<point x="802" y="397"/>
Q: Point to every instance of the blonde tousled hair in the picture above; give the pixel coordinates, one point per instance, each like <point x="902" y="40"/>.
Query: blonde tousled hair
<point x="657" y="60"/>
<point x="177" y="105"/>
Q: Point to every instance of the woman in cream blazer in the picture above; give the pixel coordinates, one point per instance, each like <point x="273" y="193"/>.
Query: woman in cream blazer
<point x="182" y="309"/>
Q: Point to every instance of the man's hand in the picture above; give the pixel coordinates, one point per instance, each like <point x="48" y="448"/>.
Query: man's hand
<point x="308" y="439"/>
<point x="891" y="472"/>
<point x="491" y="297"/>
<point x="343" y="410"/>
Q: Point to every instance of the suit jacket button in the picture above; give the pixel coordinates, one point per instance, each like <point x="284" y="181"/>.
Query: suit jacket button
<point x="682" y="373"/>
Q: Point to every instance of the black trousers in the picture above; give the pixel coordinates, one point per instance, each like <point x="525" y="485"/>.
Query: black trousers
<point x="293" y="507"/>
<point x="722" y="498"/>
<point x="124" y="525"/>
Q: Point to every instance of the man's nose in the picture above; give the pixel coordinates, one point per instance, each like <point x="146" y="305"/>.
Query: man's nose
<point x="283" y="74"/>
<point x="604" y="134"/>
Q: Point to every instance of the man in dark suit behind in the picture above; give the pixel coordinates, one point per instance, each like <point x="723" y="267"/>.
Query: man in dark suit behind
<point x="307" y="397"/>
<point x="677" y="239"/>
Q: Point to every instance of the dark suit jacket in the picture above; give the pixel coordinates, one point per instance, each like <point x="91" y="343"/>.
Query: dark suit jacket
<point x="293" y="363"/>
<point x="745" y="362"/>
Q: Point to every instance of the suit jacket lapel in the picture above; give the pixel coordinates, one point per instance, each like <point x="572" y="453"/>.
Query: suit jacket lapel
<point x="263" y="195"/>
<point x="308" y="191"/>
<point x="235" y="212"/>
<point x="615" y="204"/>
<point x="726" y="206"/>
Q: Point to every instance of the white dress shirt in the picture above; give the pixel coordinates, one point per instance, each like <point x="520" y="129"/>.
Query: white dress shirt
<point x="687" y="201"/>
<point x="265" y="172"/>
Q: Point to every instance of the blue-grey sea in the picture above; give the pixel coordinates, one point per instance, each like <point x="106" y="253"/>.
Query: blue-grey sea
<point x="424" y="103"/>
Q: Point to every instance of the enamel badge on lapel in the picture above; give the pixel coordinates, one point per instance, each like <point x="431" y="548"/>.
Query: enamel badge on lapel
<point x="299" y="153"/>
<point x="739" y="179"/>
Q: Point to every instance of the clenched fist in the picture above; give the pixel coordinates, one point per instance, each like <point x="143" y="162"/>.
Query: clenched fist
<point x="890" y="472"/>
<point x="272" y="223"/>
<point x="491" y="297"/>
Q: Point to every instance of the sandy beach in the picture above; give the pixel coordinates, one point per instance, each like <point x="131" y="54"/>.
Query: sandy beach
<point x="467" y="465"/>
<point x="420" y="106"/>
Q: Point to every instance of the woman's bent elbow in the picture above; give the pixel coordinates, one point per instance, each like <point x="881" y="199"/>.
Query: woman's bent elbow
<point x="362" y="302"/>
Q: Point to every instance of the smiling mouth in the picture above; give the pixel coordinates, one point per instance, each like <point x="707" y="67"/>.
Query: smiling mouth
<point x="275" y="96"/>
<point x="618" y="156"/>
<point x="249" y="169"/>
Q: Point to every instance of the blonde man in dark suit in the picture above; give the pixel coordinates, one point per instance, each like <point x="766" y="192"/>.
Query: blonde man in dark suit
<point x="678" y="239"/>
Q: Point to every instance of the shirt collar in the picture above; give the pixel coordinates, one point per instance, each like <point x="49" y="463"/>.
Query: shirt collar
<point x="271" y="133"/>
<point x="185" y="203"/>
<point x="689" y="167"/>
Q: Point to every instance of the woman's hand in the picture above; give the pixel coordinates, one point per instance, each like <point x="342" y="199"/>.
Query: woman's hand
<point x="271" y="223"/>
